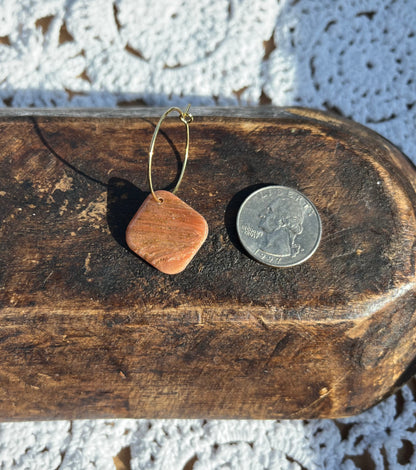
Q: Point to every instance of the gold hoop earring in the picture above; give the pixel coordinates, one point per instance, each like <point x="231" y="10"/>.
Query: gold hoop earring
<point x="165" y="231"/>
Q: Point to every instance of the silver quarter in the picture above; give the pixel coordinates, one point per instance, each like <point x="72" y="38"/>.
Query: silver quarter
<point x="279" y="226"/>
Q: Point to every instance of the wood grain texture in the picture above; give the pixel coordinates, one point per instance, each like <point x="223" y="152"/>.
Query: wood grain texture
<point x="167" y="233"/>
<point x="88" y="329"/>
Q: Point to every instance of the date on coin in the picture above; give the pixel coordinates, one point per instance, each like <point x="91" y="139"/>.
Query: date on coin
<point x="279" y="226"/>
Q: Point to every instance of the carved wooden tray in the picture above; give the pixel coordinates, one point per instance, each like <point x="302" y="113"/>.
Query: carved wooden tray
<point x="87" y="329"/>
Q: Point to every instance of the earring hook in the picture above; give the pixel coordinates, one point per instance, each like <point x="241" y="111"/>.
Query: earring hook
<point x="186" y="118"/>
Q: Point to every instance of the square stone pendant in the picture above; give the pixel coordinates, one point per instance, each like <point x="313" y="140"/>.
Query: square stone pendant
<point x="168" y="234"/>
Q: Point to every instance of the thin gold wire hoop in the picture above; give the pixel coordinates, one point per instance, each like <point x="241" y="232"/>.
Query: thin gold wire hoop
<point x="186" y="118"/>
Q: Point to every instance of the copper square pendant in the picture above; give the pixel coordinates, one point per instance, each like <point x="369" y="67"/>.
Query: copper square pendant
<point x="167" y="235"/>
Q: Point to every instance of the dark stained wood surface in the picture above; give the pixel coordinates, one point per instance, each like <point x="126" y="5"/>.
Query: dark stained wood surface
<point x="88" y="329"/>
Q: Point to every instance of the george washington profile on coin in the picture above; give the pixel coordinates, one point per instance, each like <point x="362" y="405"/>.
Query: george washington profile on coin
<point x="279" y="226"/>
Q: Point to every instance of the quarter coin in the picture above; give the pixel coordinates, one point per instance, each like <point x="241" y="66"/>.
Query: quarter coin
<point x="279" y="226"/>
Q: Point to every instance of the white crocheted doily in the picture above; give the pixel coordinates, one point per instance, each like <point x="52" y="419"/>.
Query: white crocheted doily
<point x="355" y="57"/>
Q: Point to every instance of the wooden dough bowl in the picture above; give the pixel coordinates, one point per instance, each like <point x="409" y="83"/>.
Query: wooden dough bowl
<point x="88" y="329"/>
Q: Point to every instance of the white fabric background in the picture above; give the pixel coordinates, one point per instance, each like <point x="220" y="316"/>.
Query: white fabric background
<point x="355" y="57"/>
